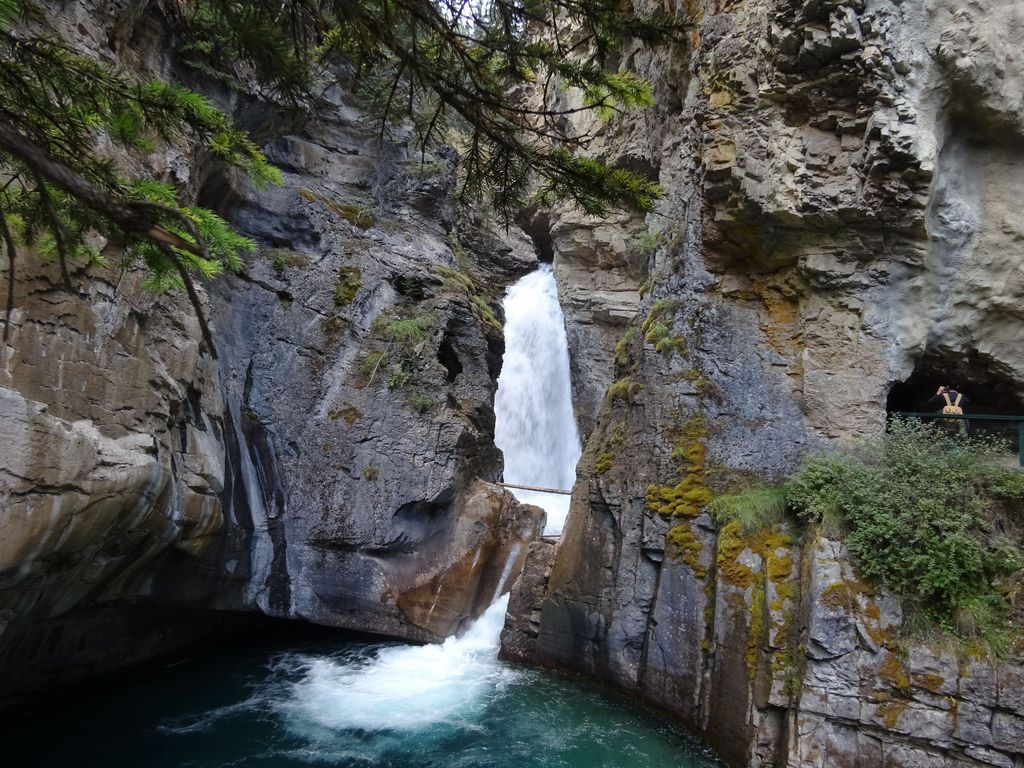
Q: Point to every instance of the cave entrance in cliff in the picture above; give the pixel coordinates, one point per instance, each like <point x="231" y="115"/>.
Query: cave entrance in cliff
<point x="537" y="226"/>
<point x="990" y="386"/>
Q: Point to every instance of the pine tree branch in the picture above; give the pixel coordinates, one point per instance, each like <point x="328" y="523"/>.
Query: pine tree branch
<point x="135" y="217"/>
<point x="193" y="296"/>
<point x="12" y="254"/>
<point x="58" y="230"/>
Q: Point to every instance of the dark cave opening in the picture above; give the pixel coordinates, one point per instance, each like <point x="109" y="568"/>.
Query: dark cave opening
<point x="449" y="358"/>
<point x="537" y="226"/>
<point x="989" y="386"/>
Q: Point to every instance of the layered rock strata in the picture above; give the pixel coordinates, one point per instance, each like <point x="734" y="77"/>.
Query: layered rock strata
<point x="840" y="180"/>
<point x="328" y="467"/>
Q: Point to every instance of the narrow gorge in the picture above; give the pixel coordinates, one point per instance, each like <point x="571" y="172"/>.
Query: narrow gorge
<point x="400" y="377"/>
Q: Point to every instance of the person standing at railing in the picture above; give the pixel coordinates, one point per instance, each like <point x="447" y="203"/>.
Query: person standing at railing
<point x="952" y="402"/>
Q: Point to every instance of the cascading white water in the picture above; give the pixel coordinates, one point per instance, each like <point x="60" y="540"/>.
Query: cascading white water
<point x="535" y="426"/>
<point x="402" y="688"/>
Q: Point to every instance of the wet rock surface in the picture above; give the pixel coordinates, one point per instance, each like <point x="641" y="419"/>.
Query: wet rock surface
<point x="325" y="468"/>
<point x="837" y="219"/>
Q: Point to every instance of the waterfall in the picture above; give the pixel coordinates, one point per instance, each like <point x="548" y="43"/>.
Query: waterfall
<point x="428" y="690"/>
<point x="400" y="688"/>
<point x="535" y="426"/>
<point x="417" y="688"/>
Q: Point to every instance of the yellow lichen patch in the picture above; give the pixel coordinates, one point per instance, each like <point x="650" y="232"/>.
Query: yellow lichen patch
<point x="837" y="596"/>
<point x="893" y="670"/>
<point x="890" y="711"/>
<point x="683" y="544"/>
<point x="690" y="495"/>
<point x="349" y="413"/>
<point x="778" y="568"/>
<point x="930" y="682"/>
<point x="720" y="99"/>
<point x="730" y="546"/>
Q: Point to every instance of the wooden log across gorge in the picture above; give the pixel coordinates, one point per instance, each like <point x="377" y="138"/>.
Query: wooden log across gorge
<point x="534" y="487"/>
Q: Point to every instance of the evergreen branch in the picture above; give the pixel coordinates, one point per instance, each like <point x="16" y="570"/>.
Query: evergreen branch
<point x="133" y="217"/>
<point x="12" y="254"/>
<point x="193" y="295"/>
<point x="57" y="228"/>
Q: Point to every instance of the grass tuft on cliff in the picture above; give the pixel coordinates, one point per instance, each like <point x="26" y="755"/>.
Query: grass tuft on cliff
<point x="753" y="509"/>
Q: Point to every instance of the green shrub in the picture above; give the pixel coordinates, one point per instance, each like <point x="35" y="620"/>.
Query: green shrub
<point x="919" y="505"/>
<point x="398" y="376"/>
<point x="422" y="403"/>
<point x="456" y="280"/>
<point x="405" y="338"/>
<point x="282" y="259"/>
<point x="644" y="244"/>
<point x="358" y="215"/>
<point x="484" y="313"/>
<point x="621" y="388"/>
<point x="623" y="351"/>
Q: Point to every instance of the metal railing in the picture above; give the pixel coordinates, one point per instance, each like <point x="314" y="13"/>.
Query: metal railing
<point x="1011" y="428"/>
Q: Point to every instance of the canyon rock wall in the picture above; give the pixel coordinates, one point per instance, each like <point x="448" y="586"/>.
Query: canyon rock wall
<point x="840" y="181"/>
<point x="330" y="466"/>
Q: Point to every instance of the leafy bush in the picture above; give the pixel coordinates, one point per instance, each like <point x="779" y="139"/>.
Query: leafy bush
<point x="645" y="244"/>
<point x="282" y="259"/>
<point x="422" y="403"/>
<point x="920" y="506"/>
<point x="406" y="338"/>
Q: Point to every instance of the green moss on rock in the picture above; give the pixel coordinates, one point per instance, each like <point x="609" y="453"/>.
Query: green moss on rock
<point x="604" y="462"/>
<point x="690" y="495"/>
<point x="682" y="543"/>
<point x="350" y="414"/>
<point x="350" y="280"/>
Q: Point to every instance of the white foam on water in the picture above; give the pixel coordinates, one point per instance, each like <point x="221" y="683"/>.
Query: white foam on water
<point x="535" y="426"/>
<point x="401" y="688"/>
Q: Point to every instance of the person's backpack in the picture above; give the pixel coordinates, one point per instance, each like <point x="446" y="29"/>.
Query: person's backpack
<point x="952" y="407"/>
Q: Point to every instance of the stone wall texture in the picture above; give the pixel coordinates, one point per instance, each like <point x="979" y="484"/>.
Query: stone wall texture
<point x="841" y="180"/>
<point x="842" y="191"/>
<point x="330" y="466"/>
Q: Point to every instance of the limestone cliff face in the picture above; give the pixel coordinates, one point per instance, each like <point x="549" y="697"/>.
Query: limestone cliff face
<point x="359" y="370"/>
<point x="111" y="449"/>
<point x="841" y="180"/>
<point x="330" y="466"/>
